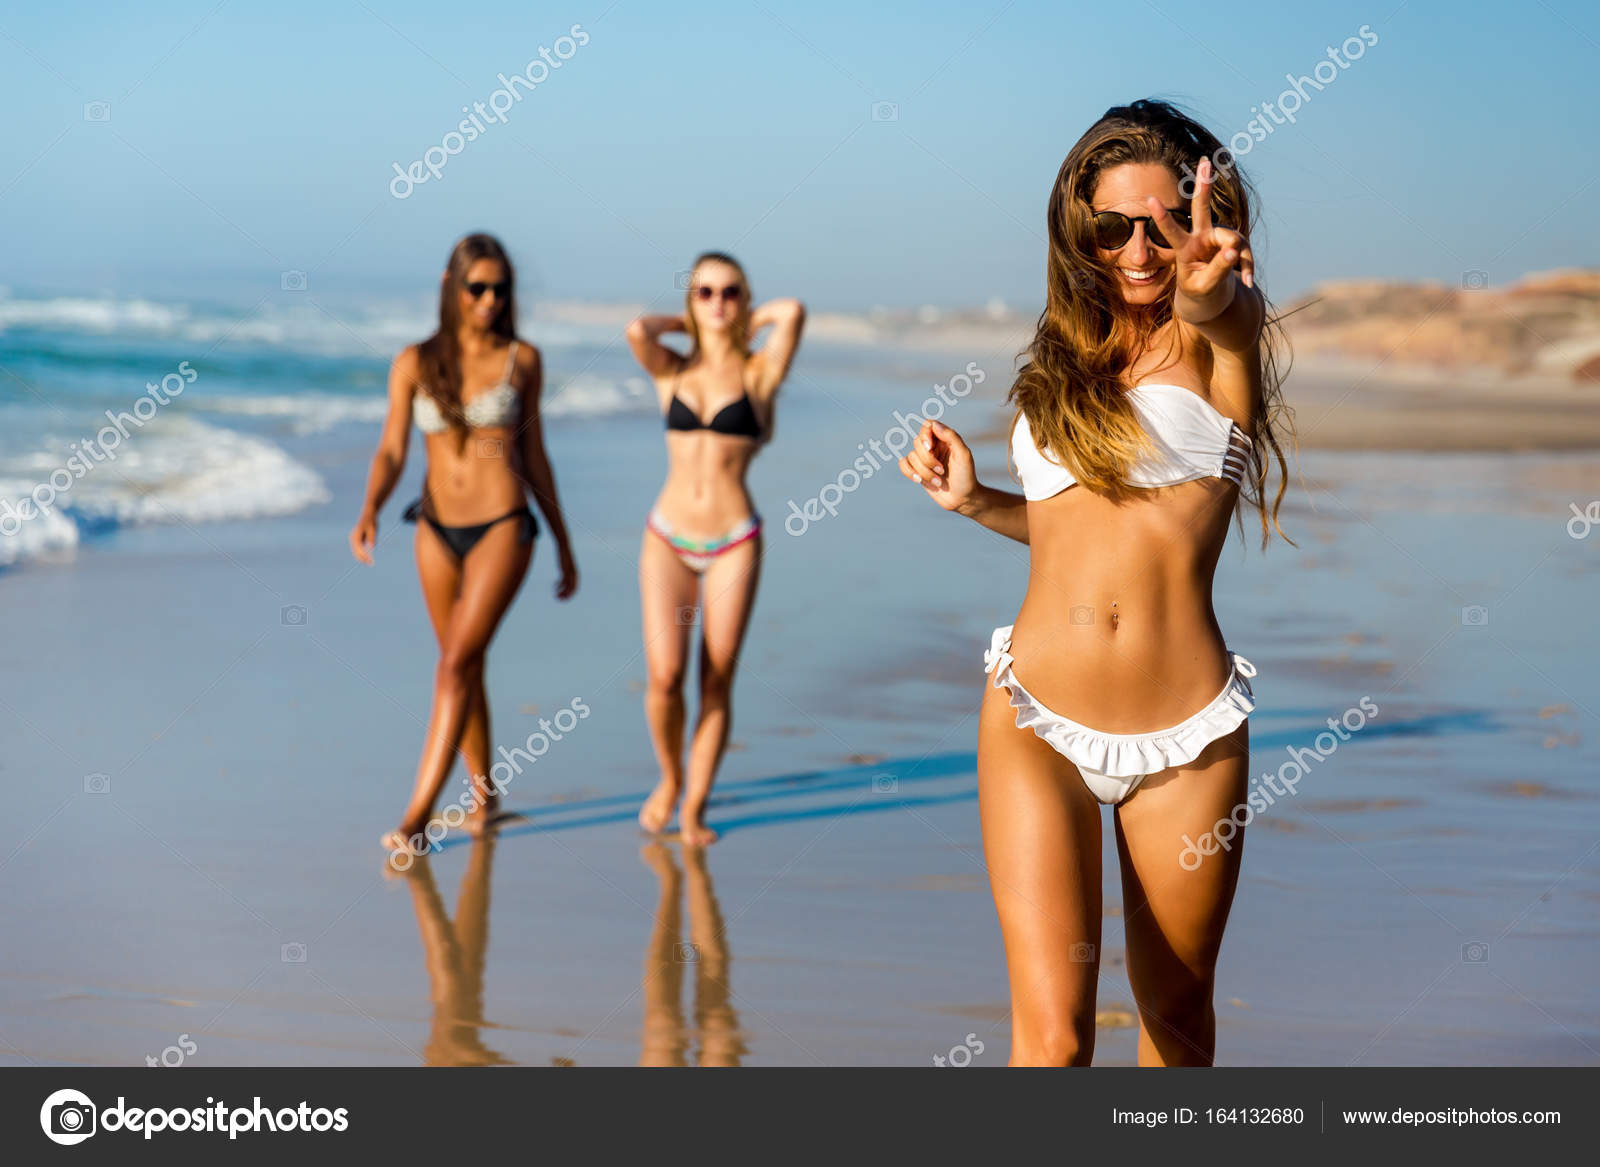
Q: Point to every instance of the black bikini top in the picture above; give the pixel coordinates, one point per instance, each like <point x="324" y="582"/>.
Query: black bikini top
<point x="737" y="419"/>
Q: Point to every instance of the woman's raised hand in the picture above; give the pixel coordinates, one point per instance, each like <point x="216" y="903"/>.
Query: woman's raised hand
<point x="941" y="462"/>
<point x="1207" y="254"/>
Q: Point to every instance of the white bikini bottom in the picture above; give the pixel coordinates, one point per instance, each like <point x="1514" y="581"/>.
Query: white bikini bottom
<point x="1113" y="764"/>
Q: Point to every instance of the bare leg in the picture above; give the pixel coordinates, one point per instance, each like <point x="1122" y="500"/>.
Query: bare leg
<point x="728" y="593"/>
<point x="667" y="591"/>
<point x="1174" y="918"/>
<point x="715" y="1020"/>
<point x="489" y="579"/>
<point x="1041" y="842"/>
<point x="664" y="1042"/>
<point x="441" y="580"/>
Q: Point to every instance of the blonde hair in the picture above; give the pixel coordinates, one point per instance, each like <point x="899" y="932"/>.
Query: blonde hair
<point x="740" y="331"/>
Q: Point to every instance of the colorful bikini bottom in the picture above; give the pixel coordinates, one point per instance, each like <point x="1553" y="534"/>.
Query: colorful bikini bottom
<point x="699" y="554"/>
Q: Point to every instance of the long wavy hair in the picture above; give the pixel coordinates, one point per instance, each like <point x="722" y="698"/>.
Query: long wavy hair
<point x="739" y="333"/>
<point x="1072" y="387"/>
<point x="440" y="355"/>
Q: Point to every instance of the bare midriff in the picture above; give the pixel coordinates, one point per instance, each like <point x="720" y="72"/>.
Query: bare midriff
<point x="1117" y="630"/>
<point x="480" y="481"/>
<point x="705" y="495"/>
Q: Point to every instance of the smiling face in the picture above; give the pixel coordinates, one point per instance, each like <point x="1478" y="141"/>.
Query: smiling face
<point x="492" y="281"/>
<point x="1144" y="272"/>
<point x="717" y="296"/>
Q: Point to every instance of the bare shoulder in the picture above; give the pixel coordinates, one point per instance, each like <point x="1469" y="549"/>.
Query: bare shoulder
<point x="763" y="377"/>
<point x="529" y="358"/>
<point x="405" y="372"/>
<point x="408" y="360"/>
<point x="528" y="370"/>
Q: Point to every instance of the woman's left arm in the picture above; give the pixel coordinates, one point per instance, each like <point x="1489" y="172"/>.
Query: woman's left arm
<point x="541" y="479"/>
<point x="1216" y="294"/>
<point x="787" y="318"/>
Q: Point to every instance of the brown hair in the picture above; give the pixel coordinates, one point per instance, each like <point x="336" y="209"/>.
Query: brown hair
<point x="439" y="357"/>
<point x="740" y="332"/>
<point x="1072" y="386"/>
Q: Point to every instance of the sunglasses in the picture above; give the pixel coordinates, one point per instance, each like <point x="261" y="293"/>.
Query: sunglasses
<point x="1113" y="229"/>
<point x="476" y="289"/>
<point x="731" y="292"/>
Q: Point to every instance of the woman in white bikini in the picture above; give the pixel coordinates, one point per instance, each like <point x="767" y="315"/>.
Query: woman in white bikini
<point x="703" y="538"/>
<point x="473" y="389"/>
<point x="1146" y="410"/>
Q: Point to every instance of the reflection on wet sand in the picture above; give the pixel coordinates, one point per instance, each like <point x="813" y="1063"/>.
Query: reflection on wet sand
<point x="666" y="1039"/>
<point x="453" y="954"/>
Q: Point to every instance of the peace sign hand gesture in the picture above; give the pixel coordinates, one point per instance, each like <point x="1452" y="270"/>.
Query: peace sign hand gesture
<point x="1207" y="254"/>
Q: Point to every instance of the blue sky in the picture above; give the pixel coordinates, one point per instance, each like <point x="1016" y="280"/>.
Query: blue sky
<point x="246" y="139"/>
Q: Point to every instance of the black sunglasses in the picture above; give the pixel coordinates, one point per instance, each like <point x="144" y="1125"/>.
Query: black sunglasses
<point x="1113" y="229"/>
<point x="476" y="289"/>
<point x="731" y="292"/>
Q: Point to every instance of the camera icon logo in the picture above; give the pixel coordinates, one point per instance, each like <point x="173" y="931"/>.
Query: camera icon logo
<point x="885" y="111"/>
<point x="687" y="954"/>
<point x="1081" y="614"/>
<point x="688" y="614"/>
<point x="885" y="784"/>
<point x="1474" y="616"/>
<point x="292" y="281"/>
<point x="1082" y="280"/>
<point x="1081" y="952"/>
<point x="97" y="784"/>
<point x="489" y="448"/>
<point x="68" y="1117"/>
<point x="293" y="953"/>
<point x="1475" y="952"/>
<point x="1474" y="281"/>
<point x="97" y="111"/>
<point x="292" y="616"/>
<point x="680" y="280"/>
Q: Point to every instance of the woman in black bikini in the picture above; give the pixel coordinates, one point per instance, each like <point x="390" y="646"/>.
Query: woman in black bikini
<point x="485" y="447"/>
<point x="703" y="539"/>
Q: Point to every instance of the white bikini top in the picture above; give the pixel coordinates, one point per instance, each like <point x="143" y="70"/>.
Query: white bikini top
<point x="1191" y="439"/>
<point x="499" y="406"/>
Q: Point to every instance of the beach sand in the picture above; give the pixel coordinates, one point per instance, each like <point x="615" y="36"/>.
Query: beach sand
<point x="208" y="727"/>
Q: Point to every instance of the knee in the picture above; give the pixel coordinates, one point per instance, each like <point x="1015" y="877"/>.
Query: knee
<point x="716" y="685"/>
<point x="1178" y="1005"/>
<point x="666" y="681"/>
<point x="1063" y="1045"/>
<point x="460" y="667"/>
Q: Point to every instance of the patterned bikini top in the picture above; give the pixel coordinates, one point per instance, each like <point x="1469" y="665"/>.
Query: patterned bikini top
<point x="500" y="406"/>
<point x="1191" y="440"/>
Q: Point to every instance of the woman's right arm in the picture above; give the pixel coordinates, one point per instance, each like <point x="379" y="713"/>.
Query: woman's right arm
<point x="644" y="338"/>
<point x="941" y="462"/>
<point x="390" y="460"/>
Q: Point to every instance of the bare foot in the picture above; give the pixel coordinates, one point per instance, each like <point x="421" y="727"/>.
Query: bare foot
<point x="404" y="850"/>
<point x="483" y="816"/>
<point x="400" y="839"/>
<point x="692" y="828"/>
<point x="657" y="809"/>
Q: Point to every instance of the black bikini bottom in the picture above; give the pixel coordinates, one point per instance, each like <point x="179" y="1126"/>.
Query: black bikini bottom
<point x="461" y="540"/>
